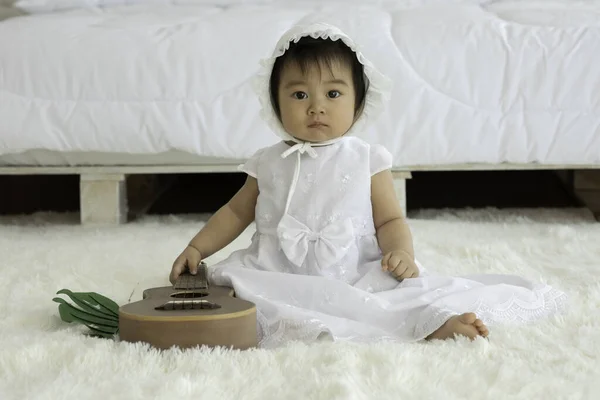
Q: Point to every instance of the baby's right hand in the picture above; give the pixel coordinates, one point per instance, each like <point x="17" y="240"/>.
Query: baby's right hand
<point x="189" y="258"/>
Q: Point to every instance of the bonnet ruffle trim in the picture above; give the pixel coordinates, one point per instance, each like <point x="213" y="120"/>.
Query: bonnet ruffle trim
<point x="379" y="86"/>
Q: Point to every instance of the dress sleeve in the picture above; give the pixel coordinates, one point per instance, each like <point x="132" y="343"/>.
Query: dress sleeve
<point x="251" y="165"/>
<point x="380" y="159"/>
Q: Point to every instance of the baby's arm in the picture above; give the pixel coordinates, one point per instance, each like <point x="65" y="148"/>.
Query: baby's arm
<point x="393" y="233"/>
<point x="229" y="221"/>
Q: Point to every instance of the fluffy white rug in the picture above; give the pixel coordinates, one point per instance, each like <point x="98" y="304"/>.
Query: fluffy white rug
<point x="43" y="358"/>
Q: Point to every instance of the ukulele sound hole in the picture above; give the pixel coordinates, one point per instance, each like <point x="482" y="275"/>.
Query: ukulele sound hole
<point x="189" y="295"/>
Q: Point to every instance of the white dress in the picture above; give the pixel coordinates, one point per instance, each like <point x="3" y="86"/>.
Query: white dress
<point x="314" y="265"/>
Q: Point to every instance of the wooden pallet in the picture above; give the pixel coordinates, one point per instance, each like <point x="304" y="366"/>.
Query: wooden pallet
<point x="586" y="187"/>
<point x="117" y="194"/>
<point x="113" y="195"/>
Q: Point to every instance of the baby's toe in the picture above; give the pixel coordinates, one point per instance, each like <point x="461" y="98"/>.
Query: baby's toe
<point x="468" y="318"/>
<point x="483" y="330"/>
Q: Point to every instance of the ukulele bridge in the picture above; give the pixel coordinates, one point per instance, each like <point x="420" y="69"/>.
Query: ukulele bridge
<point x="192" y="304"/>
<point x="188" y="295"/>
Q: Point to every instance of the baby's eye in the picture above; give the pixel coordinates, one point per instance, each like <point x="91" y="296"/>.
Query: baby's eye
<point x="299" y="95"/>
<point x="333" y="94"/>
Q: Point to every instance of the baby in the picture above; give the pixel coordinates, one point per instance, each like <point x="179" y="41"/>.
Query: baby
<point x="333" y="255"/>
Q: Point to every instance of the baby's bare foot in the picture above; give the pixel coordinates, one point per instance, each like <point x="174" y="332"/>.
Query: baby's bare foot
<point x="466" y="324"/>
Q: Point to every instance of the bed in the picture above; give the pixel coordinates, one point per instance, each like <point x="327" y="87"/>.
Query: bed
<point x="108" y="90"/>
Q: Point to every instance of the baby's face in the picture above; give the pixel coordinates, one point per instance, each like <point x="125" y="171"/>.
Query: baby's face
<point x="318" y="105"/>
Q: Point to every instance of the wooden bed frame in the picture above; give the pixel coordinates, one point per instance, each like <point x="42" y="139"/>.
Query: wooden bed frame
<point x="104" y="197"/>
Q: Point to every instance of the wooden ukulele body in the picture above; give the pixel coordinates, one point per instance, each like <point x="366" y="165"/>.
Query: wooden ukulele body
<point x="187" y="315"/>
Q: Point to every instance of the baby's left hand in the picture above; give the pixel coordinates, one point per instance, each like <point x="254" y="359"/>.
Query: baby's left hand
<point x="400" y="264"/>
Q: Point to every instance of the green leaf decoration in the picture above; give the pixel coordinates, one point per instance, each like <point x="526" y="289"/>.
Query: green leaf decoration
<point x="86" y="317"/>
<point x="99" y="313"/>
<point x="106" y="303"/>
<point x="87" y="303"/>
<point x="65" y="315"/>
<point x="95" y="331"/>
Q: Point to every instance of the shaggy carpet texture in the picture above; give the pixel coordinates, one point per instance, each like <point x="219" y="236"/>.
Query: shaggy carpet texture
<point x="42" y="357"/>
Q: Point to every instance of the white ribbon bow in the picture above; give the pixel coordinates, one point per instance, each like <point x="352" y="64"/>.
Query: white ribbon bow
<point x="331" y="243"/>
<point x="303" y="147"/>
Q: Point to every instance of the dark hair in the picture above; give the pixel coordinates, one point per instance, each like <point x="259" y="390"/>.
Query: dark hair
<point x="309" y="52"/>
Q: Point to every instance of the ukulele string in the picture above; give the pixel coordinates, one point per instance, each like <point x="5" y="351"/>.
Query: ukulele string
<point x="187" y="288"/>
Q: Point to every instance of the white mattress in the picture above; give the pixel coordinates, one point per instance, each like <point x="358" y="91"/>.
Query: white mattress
<point x="515" y="83"/>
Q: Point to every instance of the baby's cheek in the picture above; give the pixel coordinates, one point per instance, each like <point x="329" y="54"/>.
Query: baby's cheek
<point x="292" y="121"/>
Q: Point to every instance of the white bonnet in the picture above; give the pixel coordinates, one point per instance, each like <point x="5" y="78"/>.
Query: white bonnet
<point x="376" y="97"/>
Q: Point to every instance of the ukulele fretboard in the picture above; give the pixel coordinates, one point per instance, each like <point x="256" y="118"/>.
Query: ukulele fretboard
<point x="187" y="281"/>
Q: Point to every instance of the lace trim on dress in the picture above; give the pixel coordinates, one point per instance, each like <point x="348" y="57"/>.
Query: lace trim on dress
<point x="549" y="301"/>
<point x="284" y="331"/>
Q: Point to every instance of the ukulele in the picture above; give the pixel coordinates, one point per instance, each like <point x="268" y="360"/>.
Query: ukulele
<point x="188" y="314"/>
